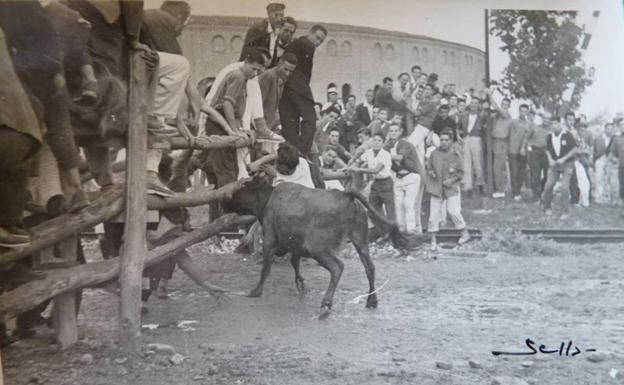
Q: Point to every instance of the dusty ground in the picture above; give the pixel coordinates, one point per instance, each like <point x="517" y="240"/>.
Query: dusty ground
<point x="434" y="316"/>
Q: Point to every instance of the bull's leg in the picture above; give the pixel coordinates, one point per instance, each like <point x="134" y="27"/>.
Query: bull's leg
<point x="369" y="268"/>
<point x="335" y="267"/>
<point x="294" y="261"/>
<point x="359" y="237"/>
<point x="268" y="250"/>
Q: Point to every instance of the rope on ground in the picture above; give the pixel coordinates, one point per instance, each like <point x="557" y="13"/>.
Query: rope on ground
<point x="357" y="299"/>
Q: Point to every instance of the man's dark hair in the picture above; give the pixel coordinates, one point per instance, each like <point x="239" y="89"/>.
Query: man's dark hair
<point x="334" y="128"/>
<point x="381" y="135"/>
<point x="570" y="113"/>
<point x="318" y="27"/>
<point x="384" y="109"/>
<point x="290" y="57"/>
<point x="415" y="67"/>
<point x="365" y="131"/>
<point x="524" y="105"/>
<point x="272" y="7"/>
<point x="433" y="77"/>
<point x="459" y="100"/>
<point x="261" y="50"/>
<point x="609" y="124"/>
<point x="254" y="55"/>
<point x="176" y="8"/>
<point x="506" y="100"/>
<point x="351" y="96"/>
<point x="436" y="92"/>
<point x="447" y="131"/>
<point x="403" y="73"/>
<point x="330" y="109"/>
<point x="370" y="90"/>
<point x="319" y="105"/>
<point x="290" y="20"/>
<point x="287" y="158"/>
<point x="444" y="107"/>
<point x="387" y="78"/>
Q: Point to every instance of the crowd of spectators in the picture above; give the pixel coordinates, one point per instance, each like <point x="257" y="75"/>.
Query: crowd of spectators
<point x="65" y="76"/>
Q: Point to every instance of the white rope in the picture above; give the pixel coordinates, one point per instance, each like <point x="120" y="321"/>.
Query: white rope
<point x="357" y="299"/>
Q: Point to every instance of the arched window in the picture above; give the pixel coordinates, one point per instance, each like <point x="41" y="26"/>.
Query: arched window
<point x="332" y="48"/>
<point x="471" y="61"/>
<point x="218" y="44"/>
<point x="346" y="48"/>
<point x="446" y="57"/>
<point x="452" y="58"/>
<point x="415" y="53"/>
<point x="236" y="44"/>
<point x="466" y="60"/>
<point x="377" y="53"/>
<point x="390" y="52"/>
<point x="425" y="54"/>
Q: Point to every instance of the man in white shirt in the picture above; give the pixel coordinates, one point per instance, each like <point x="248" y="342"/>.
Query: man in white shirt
<point x="379" y="166"/>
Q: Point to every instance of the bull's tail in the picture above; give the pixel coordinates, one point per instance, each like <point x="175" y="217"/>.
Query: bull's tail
<point x="399" y="241"/>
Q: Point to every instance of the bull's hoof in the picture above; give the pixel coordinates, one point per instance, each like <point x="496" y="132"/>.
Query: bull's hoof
<point x="325" y="312"/>
<point x="371" y="302"/>
<point x="255" y="293"/>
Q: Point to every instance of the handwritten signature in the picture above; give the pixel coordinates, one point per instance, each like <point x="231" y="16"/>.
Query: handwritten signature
<point x="542" y="349"/>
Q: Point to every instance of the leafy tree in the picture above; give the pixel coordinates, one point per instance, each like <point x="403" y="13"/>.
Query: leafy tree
<point x="544" y="55"/>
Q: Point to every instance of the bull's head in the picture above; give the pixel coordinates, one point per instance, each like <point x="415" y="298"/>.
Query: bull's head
<point x="251" y="198"/>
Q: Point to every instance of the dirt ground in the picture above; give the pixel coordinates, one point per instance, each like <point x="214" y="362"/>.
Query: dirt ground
<point x="437" y="312"/>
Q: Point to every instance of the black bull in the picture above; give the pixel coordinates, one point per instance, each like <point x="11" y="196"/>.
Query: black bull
<point x="312" y="223"/>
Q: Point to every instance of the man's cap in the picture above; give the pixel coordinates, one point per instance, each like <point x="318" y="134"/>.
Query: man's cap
<point x="272" y="7"/>
<point x="332" y="89"/>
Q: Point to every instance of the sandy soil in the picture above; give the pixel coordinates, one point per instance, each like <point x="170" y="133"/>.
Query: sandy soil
<point x="434" y="316"/>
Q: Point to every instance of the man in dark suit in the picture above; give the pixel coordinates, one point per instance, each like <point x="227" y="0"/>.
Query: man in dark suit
<point x="364" y="111"/>
<point x="297" y="104"/>
<point x="472" y="125"/>
<point x="265" y="33"/>
<point x="285" y="36"/>
<point x="384" y="99"/>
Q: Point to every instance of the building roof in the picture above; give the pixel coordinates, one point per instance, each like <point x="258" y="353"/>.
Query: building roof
<point x="247" y="21"/>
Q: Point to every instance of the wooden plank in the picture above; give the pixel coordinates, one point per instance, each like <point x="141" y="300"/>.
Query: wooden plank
<point x="134" y="248"/>
<point x="29" y="295"/>
<point x="64" y="315"/>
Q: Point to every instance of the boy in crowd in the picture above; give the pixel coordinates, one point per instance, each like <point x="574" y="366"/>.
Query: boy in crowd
<point x="561" y="149"/>
<point x="517" y="157"/>
<point x="332" y="168"/>
<point x="380" y="123"/>
<point x="407" y="170"/>
<point x="445" y="173"/>
<point x="535" y="147"/>
<point x="334" y="140"/>
<point x="379" y="166"/>
<point x="601" y="143"/>
<point x="617" y="151"/>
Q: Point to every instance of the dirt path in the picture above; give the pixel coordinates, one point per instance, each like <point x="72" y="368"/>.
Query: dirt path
<point x="443" y="311"/>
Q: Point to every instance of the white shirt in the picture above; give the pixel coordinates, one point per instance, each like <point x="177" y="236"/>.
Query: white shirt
<point x="556" y="142"/>
<point x="472" y="119"/>
<point x="253" y="105"/>
<point x="383" y="158"/>
<point x="302" y="175"/>
<point x="272" y="38"/>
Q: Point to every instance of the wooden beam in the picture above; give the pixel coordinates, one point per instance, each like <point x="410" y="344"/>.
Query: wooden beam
<point x="103" y="208"/>
<point x="134" y="247"/>
<point x="64" y="315"/>
<point x="56" y="282"/>
<point x="109" y="204"/>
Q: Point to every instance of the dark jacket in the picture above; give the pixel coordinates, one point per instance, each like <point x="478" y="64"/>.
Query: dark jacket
<point x="410" y="160"/>
<point x="362" y="117"/>
<point x="479" y="126"/>
<point x="299" y="80"/>
<point x="257" y="36"/>
<point x="384" y="99"/>
<point x="445" y="166"/>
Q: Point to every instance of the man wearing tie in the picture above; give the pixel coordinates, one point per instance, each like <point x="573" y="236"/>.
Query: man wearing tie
<point x="265" y="33"/>
<point x="471" y="128"/>
<point x="364" y="111"/>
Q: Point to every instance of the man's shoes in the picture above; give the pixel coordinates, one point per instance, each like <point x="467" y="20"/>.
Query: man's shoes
<point x="548" y="213"/>
<point x="12" y="239"/>
<point x="518" y="198"/>
<point x="156" y="187"/>
<point x="465" y="237"/>
<point x="272" y="138"/>
<point x="498" y="195"/>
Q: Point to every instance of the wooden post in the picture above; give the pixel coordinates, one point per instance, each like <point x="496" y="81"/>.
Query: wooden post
<point x="489" y="182"/>
<point x="64" y="313"/>
<point x="134" y="247"/>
